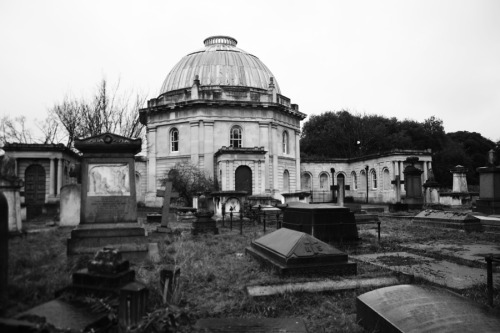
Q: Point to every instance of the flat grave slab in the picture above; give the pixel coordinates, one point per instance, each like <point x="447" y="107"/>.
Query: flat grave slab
<point x="320" y="286"/>
<point x="252" y="325"/>
<point x="412" y="308"/>
<point x="447" y="219"/>
<point x="67" y="315"/>
<point x="465" y="252"/>
<point x="290" y="251"/>
<point x="441" y="272"/>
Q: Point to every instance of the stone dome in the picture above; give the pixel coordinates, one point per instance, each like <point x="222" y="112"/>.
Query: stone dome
<point x="219" y="63"/>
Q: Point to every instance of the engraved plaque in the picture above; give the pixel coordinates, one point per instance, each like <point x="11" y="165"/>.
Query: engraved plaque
<point x="110" y="179"/>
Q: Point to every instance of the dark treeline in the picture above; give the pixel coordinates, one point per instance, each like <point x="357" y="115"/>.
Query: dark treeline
<point x="344" y="135"/>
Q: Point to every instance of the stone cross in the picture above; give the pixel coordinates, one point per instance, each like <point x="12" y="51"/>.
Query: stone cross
<point x="397" y="181"/>
<point x="167" y="194"/>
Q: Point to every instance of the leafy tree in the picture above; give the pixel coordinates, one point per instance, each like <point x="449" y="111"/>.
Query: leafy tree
<point x="188" y="180"/>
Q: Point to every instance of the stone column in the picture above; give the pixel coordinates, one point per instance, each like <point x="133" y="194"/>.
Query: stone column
<point x="195" y="126"/>
<point x="222" y="175"/>
<point x="151" y="181"/>
<point x="425" y="171"/>
<point x="256" y="164"/>
<point x="275" y="149"/>
<point x="231" y="176"/>
<point x="208" y="150"/>
<point x="52" y="177"/>
<point x="60" y="163"/>
<point x="264" y="142"/>
<point x="297" y="160"/>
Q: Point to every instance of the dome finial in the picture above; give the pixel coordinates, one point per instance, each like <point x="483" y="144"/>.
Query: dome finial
<point x="224" y="40"/>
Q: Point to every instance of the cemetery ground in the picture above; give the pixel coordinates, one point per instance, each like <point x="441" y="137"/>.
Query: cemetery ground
<point x="215" y="271"/>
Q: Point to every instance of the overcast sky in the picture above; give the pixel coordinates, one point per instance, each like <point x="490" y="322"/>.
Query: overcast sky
<point x="404" y="59"/>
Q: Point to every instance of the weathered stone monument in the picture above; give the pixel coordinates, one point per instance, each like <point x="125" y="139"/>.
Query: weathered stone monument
<point x="204" y="222"/>
<point x="326" y="222"/>
<point x="69" y="212"/>
<point x="4" y="249"/>
<point x="413" y="308"/>
<point x="489" y="187"/>
<point x="292" y="252"/>
<point x="459" y="195"/>
<point x="413" y="184"/>
<point x="448" y="219"/>
<point x="108" y="199"/>
<point x="10" y="185"/>
<point x="431" y="191"/>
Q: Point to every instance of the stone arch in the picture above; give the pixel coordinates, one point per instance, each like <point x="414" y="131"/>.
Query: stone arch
<point x="306" y="181"/>
<point x="386" y="179"/>
<point x="243" y="179"/>
<point x="373" y="179"/>
<point x="324" y="181"/>
<point x="286" y="181"/>
<point x="354" y="180"/>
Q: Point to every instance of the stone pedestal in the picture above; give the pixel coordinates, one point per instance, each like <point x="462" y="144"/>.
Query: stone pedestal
<point x="489" y="191"/>
<point x="108" y="214"/>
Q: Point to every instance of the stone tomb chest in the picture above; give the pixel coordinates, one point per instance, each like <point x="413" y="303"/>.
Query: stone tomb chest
<point x="108" y="215"/>
<point x="325" y="222"/>
<point x="290" y="251"/>
<point x="413" y="308"/>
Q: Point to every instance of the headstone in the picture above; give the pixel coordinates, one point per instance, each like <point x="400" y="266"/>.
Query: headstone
<point x="489" y="187"/>
<point x="204" y="222"/>
<point x="4" y="249"/>
<point x="431" y="189"/>
<point x="413" y="184"/>
<point x="10" y="186"/>
<point x="326" y="222"/>
<point x="108" y="215"/>
<point x="132" y="305"/>
<point x="167" y="194"/>
<point x="70" y="205"/>
<point x="251" y="325"/>
<point x="459" y="179"/>
<point x="422" y="308"/>
<point x="292" y="252"/>
<point x="448" y="219"/>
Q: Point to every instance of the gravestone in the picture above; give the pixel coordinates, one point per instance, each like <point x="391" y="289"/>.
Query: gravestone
<point x="414" y="308"/>
<point x="204" y="222"/>
<point x="325" y="222"/>
<point x="10" y="186"/>
<point x="69" y="213"/>
<point x="292" y="252"/>
<point x="4" y="249"/>
<point x="167" y="194"/>
<point x="108" y="214"/>
<point x="413" y="185"/>
<point x="489" y="187"/>
<point x="447" y="219"/>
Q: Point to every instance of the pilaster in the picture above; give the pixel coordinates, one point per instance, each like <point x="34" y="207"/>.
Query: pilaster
<point x="195" y="126"/>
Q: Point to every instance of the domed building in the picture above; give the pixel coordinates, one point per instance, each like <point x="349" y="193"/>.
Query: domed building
<point x="221" y="108"/>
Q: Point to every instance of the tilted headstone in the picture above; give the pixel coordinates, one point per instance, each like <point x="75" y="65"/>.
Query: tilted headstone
<point x="414" y="308"/>
<point x="167" y="194"/>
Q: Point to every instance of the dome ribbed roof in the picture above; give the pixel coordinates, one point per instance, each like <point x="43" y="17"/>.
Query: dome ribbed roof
<point x="220" y="62"/>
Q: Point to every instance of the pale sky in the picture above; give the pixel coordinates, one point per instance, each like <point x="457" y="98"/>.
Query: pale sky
<point x="404" y="59"/>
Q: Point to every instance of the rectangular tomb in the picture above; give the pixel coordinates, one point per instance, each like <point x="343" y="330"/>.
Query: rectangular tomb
<point x="325" y="222"/>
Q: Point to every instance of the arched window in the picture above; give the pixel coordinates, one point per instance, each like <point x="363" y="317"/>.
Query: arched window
<point x="373" y="175"/>
<point x="305" y="181"/>
<point x="286" y="181"/>
<point x="323" y="181"/>
<point x="174" y="140"/>
<point x="354" y="180"/>
<point x="362" y="180"/>
<point x="235" y="137"/>
<point x="285" y="142"/>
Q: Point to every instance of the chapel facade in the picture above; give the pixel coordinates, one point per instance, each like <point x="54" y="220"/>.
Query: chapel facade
<point x="222" y="109"/>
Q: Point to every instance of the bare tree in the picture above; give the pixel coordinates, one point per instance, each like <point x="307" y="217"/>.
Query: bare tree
<point x="15" y="130"/>
<point x="107" y="111"/>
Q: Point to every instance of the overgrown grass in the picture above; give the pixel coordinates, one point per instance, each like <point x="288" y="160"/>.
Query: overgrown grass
<point x="215" y="272"/>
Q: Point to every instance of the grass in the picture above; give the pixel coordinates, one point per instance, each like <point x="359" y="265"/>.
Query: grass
<point x="215" y="272"/>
